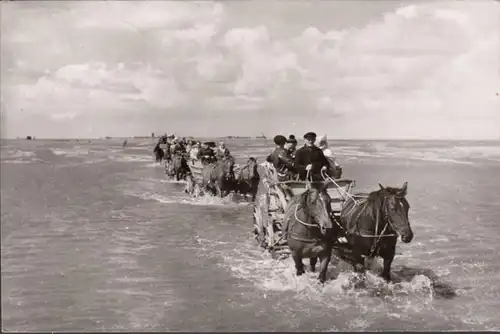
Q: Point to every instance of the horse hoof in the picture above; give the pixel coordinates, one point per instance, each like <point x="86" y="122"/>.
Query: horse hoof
<point x="300" y="272"/>
<point x="386" y="278"/>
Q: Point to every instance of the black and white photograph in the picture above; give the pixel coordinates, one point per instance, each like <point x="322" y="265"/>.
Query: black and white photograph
<point x="250" y="165"/>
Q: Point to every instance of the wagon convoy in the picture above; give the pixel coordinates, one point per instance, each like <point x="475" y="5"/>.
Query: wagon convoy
<point x="304" y="218"/>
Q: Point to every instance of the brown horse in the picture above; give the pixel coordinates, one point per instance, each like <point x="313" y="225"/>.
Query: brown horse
<point x="248" y="179"/>
<point x="180" y="166"/>
<point x="373" y="224"/>
<point x="309" y="229"/>
<point x="218" y="177"/>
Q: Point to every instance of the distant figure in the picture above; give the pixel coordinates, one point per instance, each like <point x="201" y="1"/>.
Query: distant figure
<point x="159" y="154"/>
<point x="124" y="143"/>
<point x="28" y="137"/>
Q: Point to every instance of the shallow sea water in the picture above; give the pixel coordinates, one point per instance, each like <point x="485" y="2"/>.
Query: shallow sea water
<point x="95" y="237"/>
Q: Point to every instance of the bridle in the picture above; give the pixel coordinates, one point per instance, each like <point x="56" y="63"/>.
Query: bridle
<point x="386" y="218"/>
<point x="293" y="236"/>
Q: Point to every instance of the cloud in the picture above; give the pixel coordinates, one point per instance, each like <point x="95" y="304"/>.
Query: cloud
<point x="421" y="70"/>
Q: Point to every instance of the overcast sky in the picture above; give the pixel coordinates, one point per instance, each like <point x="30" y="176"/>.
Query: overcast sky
<point x="351" y="69"/>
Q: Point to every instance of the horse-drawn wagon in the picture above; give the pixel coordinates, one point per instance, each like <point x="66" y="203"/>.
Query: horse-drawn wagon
<point x="269" y="210"/>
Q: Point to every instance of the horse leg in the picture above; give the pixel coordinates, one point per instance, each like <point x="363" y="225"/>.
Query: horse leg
<point x="220" y="192"/>
<point x="299" y="266"/>
<point x="323" y="267"/>
<point x="312" y="263"/>
<point x="217" y="190"/>
<point x="388" y="258"/>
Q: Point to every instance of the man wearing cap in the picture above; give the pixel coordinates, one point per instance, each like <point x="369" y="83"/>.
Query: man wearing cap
<point x="280" y="159"/>
<point x="310" y="160"/>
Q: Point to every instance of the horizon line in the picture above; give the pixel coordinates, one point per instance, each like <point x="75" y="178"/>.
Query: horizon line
<point x="251" y="137"/>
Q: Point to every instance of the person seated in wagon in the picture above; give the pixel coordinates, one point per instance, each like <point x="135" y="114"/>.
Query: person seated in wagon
<point x="283" y="164"/>
<point x="335" y="169"/>
<point x="291" y="146"/>
<point x="310" y="161"/>
<point x="222" y="152"/>
<point x="206" y="154"/>
<point x="193" y="153"/>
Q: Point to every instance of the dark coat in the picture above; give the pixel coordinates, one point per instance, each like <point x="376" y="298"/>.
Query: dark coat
<point x="310" y="155"/>
<point x="206" y="155"/>
<point x="282" y="162"/>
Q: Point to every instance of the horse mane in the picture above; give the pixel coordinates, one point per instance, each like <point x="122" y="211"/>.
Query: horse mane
<point x="304" y="199"/>
<point x="375" y="200"/>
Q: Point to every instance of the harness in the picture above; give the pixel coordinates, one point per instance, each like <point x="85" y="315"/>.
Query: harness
<point x="385" y="220"/>
<point x="295" y="236"/>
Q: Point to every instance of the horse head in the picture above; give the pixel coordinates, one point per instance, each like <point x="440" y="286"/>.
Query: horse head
<point x="395" y="210"/>
<point x="316" y="202"/>
<point x="252" y="168"/>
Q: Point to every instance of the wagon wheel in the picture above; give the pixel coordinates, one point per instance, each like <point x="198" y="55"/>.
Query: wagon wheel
<point x="269" y="225"/>
<point x="258" y="226"/>
<point x="281" y="203"/>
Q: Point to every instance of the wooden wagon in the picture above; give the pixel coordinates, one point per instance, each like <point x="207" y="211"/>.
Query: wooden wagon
<point x="269" y="210"/>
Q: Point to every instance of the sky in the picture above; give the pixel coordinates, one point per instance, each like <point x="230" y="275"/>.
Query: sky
<point x="349" y="69"/>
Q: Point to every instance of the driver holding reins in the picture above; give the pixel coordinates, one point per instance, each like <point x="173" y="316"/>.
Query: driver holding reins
<point x="310" y="160"/>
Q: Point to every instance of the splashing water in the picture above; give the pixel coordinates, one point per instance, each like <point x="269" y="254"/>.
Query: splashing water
<point x="343" y="289"/>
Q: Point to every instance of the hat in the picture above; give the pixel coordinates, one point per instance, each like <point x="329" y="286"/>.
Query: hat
<point x="322" y="141"/>
<point x="209" y="143"/>
<point x="279" y="140"/>
<point x="291" y="139"/>
<point x="310" y="135"/>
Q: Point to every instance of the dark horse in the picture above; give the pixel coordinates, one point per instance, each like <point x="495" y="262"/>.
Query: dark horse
<point x="180" y="168"/>
<point x="249" y="178"/>
<point x="158" y="152"/>
<point x="309" y="230"/>
<point x="218" y="177"/>
<point x="374" y="223"/>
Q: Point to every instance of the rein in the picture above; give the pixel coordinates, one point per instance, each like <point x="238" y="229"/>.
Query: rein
<point x="300" y="221"/>
<point x="294" y="236"/>
<point x="356" y="203"/>
<point x="378" y="237"/>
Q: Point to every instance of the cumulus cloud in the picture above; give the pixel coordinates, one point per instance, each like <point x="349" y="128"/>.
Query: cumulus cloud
<point x="420" y="70"/>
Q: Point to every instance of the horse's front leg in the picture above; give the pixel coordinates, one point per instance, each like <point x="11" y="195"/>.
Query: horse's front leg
<point x="218" y="190"/>
<point x="297" y="259"/>
<point x="325" y="260"/>
<point x="220" y="187"/>
<point x="312" y="263"/>
<point x="388" y="257"/>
